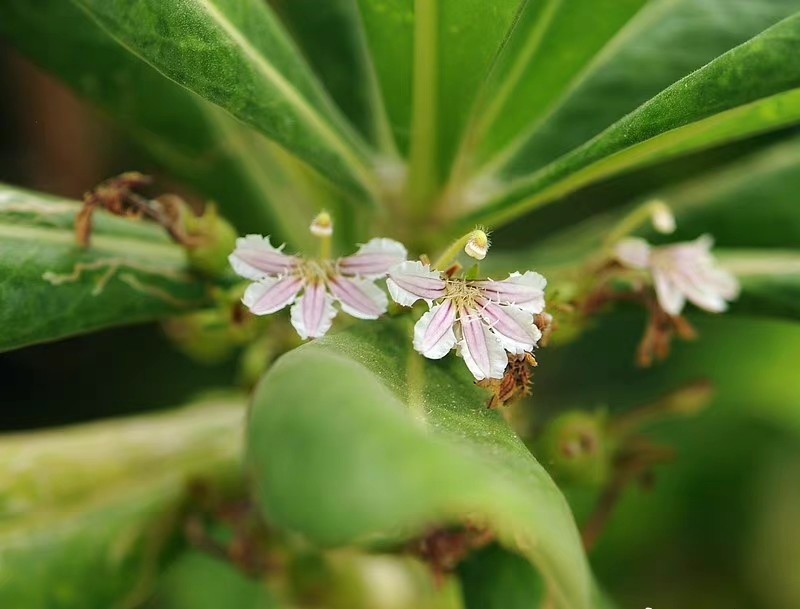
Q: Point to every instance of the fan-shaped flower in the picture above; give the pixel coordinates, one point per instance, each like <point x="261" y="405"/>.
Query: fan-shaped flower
<point x="682" y="271"/>
<point x="279" y="278"/>
<point x="483" y="318"/>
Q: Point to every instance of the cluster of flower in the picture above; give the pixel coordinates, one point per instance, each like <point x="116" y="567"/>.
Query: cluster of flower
<point x="483" y="319"/>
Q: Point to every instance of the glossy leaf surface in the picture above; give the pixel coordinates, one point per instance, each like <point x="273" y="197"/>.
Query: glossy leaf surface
<point x="51" y="288"/>
<point x="749" y="90"/>
<point x="392" y="445"/>
<point x="238" y="56"/>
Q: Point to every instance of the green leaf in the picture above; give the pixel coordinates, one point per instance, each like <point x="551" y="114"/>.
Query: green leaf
<point x="750" y="202"/>
<point x="663" y="42"/>
<point x="389" y="32"/>
<point x="332" y="36"/>
<point x="356" y="438"/>
<point x="455" y="43"/>
<point x="752" y="89"/>
<point x="236" y="54"/>
<point x="548" y="50"/>
<point x="249" y="177"/>
<point x="52" y="288"/>
<point x="87" y="513"/>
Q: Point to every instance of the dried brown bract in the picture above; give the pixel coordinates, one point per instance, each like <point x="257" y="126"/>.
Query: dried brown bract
<point x="547" y="325"/>
<point x="444" y="549"/>
<point x="661" y="327"/>
<point x="516" y="382"/>
<point x="118" y="196"/>
<point x="245" y="544"/>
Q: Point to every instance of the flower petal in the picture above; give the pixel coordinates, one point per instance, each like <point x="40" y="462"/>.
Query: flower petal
<point x="693" y="285"/>
<point x="271" y="294"/>
<point x="668" y="293"/>
<point x="313" y="313"/>
<point x="723" y="282"/>
<point x="513" y="327"/>
<point x="526" y="291"/>
<point x="374" y="258"/>
<point x="411" y="281"/>
<point x="359" y="297"/>
<point x="256" y="258"/>
<point x="691" y="269"/>
<point x="482" y="352"/>
<point x="433" y="333"/>
<point x="633" y="253"/>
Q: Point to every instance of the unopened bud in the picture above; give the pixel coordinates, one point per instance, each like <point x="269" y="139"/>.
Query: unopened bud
<point x="322" y="225"/>
<point x="213" y="240"/>
<point x="662" y="217"/>
<point x="478" y="245"/>
<point x="575" y="448"/>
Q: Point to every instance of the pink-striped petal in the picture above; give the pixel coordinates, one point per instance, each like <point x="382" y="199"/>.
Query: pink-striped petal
<point x="374" y="258"/>
<point x="693" y="285"/>
<point x="433" y="333"/>
<point x="633" y="253"/>
<point x="312" y="315"/>
<point x="526" y="291"/>
<point x="359" y="297"/>
<point x="669" y="296"/>
<point x="513" y="327"/>
<point x="411" y="281"/>
<point x="482" y="352"/>
<point x="270" y="294"/>
<point x="256" y="258"/>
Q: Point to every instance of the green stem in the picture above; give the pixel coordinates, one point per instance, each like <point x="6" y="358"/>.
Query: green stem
<point x="325" y="248"/>
<point x="422" y="168"/>
<point x="451" y="253"/>
<point x="641" y="215"/>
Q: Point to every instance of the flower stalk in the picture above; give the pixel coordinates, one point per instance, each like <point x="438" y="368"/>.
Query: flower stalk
<point x="655" y="211"/>
<point x="475" y="243"/>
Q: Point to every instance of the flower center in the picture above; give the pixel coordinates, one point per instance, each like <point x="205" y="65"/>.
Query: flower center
<point x="314" y="271"/>
<point x="463" y="294"/>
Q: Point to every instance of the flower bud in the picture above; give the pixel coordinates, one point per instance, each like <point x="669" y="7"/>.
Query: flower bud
<point x="322" y="225"/>
<point x="575" y="448"/>
<point x="215" y="238"/>
<point x="662" y="218"/>
<point x="209" y="336"/>
<point x="478" y="245"/>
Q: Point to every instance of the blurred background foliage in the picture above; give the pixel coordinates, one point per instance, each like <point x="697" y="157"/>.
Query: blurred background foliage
<point x="720" y="525"/>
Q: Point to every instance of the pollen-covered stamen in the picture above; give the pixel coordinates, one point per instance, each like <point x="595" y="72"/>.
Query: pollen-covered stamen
<point x="463" y="294"/>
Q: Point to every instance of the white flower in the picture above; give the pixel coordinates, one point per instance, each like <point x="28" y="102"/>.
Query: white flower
<point x="483" y="318"/>
<point x="682" y="271"/>
<point x="279" y="278"/>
